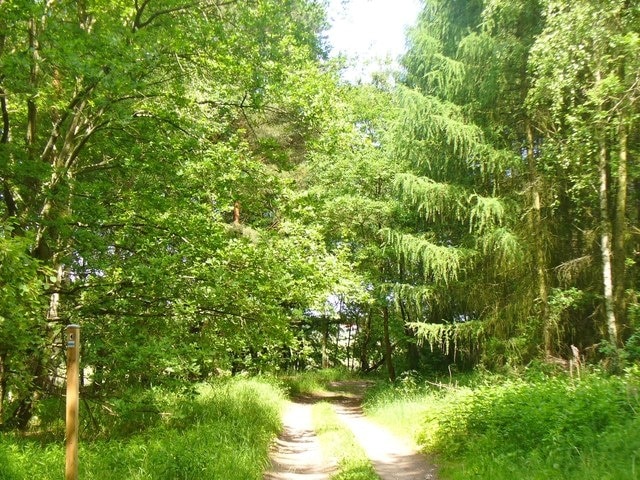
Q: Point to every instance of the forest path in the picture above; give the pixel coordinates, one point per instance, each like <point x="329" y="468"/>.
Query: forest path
<point x="297" y="455"/>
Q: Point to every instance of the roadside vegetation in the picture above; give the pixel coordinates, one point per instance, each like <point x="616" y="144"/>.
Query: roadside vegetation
<point x="219" y="430"/>
<point x="194" y="185"/>
<point x="531" y="425"/>
<point x="315" y="381"/>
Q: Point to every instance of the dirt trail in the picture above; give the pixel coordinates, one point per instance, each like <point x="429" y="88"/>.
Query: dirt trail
<point x="297" y="455"/>
<point x="392" y="457"/>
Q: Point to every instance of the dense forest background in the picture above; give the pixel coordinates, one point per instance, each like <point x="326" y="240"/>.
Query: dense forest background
<point x="194" y="185"/>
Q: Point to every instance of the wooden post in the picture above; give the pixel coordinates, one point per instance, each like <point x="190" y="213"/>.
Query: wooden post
<point x="73" y="397"/>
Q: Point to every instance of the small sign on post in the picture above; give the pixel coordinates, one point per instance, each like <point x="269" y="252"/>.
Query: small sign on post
<point x="73" y="401"/>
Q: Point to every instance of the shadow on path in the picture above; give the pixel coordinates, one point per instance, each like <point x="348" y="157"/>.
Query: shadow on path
<point x="297" y="455"/>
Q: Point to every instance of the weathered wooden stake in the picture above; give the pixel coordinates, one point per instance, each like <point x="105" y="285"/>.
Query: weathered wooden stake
<point x="73" y="397"/>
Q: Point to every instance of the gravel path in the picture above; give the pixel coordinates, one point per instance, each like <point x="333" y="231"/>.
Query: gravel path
<point x="297" y="454"/>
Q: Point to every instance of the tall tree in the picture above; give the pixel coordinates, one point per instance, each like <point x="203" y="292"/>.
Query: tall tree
<point x="129" y="132"/>
<point x="584" y="67"/>
<point x="460" y="230"/>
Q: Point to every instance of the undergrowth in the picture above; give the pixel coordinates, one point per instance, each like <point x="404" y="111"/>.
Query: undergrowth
<point x="222" y="430"/>
<point x="338" y="443"/>
<point x="315" y="381"/>
<point x="531" y="426"/>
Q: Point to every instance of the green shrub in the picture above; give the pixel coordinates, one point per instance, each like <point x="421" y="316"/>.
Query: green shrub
<point x="536" y="427"/>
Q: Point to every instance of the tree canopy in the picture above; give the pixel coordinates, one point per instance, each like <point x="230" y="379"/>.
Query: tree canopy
<point x="194" y="185"/>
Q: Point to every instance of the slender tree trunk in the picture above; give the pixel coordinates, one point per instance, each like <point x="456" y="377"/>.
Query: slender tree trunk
<point x="21" y="416"/>
<point x="537" y="229"/>
<point x="325" y="341"/>
<point x="364" y="346"/>
<point x="387" y="344"/>
<point x="7" y="193"/>
<point x="605" y="245"/>
<point x="413" y="354"/>
<point x="3" y="385"/>
<point x="349" y="347"/>
<point x="32" y="112"/>
<point x="337" y="342"/>
<point x="356" y="335"/>
<point x="620" y="228"/>
<point x="236" y="213"/>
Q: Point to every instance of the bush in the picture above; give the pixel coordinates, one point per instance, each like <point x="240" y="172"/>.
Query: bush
<point x="536" y="428"/>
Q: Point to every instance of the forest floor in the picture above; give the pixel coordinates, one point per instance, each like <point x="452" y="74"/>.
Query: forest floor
<point x="297" y="454"/>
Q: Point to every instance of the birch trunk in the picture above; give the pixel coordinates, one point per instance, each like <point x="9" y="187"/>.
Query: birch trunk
<point x="620" y="228"/>
<point x="605" y="246"/>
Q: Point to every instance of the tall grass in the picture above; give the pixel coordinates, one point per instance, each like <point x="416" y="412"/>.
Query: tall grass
<point x="526" y="428"/>
<point x="221" y="432"/>
<point x="315" y="381"/>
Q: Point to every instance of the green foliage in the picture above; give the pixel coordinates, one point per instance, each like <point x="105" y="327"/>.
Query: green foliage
<point x="451" y="338"/>
<point x="532" y="427"/>
<point x="314" y="381"/>
<point x="223" y="431"/>
<point x="192" y="184"/>
<point x="461" y="226"/>
<point x="155" y="121"/>
<point x="440" y="263"/>
<point x="446" y="129"/>
<point x="22" y="279"/>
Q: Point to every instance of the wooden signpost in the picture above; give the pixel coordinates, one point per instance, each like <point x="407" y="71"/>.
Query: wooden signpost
<point x="73" y="398"/>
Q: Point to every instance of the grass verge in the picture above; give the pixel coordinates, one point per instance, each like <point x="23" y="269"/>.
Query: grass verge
<point x="223" y="431"/>
<point x="338" y="443"/>
<point x="315" y="381"/>
<point x="533" y="427"/>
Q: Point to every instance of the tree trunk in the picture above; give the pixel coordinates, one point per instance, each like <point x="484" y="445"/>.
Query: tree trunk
<point x="620" y="229"/>
<point x="3" y="385"/>
<point x="387" y="344"/>
<point x="349" y="347"/>
<point x="413" y="354"/>
<point x="7" y="194"/>
<point x="605" y="246"/>
<point x="32" y="111"/>
<point x="337" y="343"/>
<point x="538" y="244"/>
<point x="364" y="346"/>
<point x="325" y="341"/>
<point x="24" y="412"/>
<point x="236" y="213"/>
